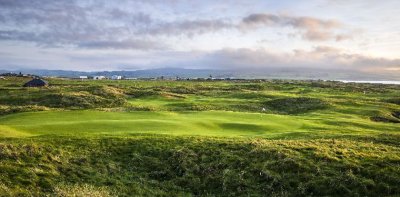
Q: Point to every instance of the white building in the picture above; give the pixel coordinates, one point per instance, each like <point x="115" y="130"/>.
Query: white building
<point x="99" y="77"/>
<point x="83" y="77"/>
<point x="116" y="77"/>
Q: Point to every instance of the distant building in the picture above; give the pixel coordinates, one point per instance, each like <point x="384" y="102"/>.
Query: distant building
<point x="83" y="77"/>
<point x="116" y="77"/>
<point x="99" y="77"/>
<point x="210" y="78"/>
<point x="36" y="83"/>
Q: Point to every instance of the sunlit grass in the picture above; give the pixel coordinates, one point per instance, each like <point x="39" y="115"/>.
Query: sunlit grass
<point x="169" y="138"/>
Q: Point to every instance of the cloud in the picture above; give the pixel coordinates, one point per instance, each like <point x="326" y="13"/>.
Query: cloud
<point x="70" y="23"/>
<point x="260" y="19"/>
<point x="312" y="29"/>
<point x="187" y="27"/>
<point x="76" y="23"/>
<point x="341" y="37"/>
<point x="243" y="59"/>
<point x="320" y="57"/>
<point x="126" y="44"/>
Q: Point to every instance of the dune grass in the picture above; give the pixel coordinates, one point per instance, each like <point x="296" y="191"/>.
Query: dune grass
<point x="159" y="165"/>
<point x="202" y="138"/>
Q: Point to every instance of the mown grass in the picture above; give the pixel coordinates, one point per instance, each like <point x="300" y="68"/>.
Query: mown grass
<point x="207" y="123"/>
<point x="203" y="138"/>
<point x="217" y="123"/>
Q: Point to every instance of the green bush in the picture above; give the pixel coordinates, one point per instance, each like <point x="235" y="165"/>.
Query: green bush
<point x="141" y="93"/>
<point x="393" y="100"/>
<point x="5" y="109"/>
<point x="81" y="100"/>
<point x="295" y="105"/>
<point x="392" y="117"/>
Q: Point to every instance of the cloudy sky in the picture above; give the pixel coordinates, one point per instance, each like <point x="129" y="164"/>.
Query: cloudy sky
<point x="93" y="35"/>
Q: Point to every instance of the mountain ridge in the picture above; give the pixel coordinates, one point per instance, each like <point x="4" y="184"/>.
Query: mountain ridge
<point x="172" y="72"/>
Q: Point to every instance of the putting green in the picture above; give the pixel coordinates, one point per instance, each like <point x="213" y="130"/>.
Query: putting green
<point x="217" y="123"/>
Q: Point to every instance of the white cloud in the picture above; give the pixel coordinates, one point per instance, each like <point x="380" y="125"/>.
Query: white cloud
<point x="321" y="57"/>
<point x="155" y="33"/>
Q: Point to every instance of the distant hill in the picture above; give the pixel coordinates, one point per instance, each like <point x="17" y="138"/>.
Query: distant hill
<point x="166" y="72"/>
<point x="270" y="73"/>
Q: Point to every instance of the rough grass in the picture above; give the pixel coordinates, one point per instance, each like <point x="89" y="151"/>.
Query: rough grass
<point x="66" y="98"/>
<point x="6" y="109"/>
<point x="168" y="138"/>
<point x="295" y="105"/>
<point x="393" y="100"/>
<point x="171" y="166"/>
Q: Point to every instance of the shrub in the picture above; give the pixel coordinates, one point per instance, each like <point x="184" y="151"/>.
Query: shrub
<point x="396" y="114"/>
<point x="183" y="90"/>
<point x="5" y="109"/>
<point x="188" y="107"/>
<point x="252" y="86"/>
<point x="108" y="92"/>
<point x="81" y="191"/>
<point x="81" y="100"/>
<point x="393" y="117"/>
<point x="295" y="105"/>
<point x="141" y="93"/>
<point x="393" y="100"/>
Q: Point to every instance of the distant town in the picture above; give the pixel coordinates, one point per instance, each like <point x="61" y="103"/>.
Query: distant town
<point x="119" y="77"/>
<point x="3" y="76"/>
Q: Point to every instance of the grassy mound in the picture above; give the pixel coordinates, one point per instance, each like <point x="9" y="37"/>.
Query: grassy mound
<point x="81" y="100"/>
<point x="393" y="100"/>
<point x="295" y="105"/>
<point x="387" y="119"/>
<point x="12" y="99"/>
<point x="203" y="138"/>
<point x="393" y="117"/>
<point x="396" y="114"/>
<point x="5" y="109"/>
<point x="172" y="166"/>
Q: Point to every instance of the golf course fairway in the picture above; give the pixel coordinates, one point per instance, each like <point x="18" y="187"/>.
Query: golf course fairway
<point x="175" y="123"/>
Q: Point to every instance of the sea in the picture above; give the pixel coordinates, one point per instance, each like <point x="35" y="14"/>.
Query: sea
<point x="377" y="82"/>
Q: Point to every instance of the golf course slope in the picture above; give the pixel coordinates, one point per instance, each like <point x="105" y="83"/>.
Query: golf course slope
<point x="199" y="138"/>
